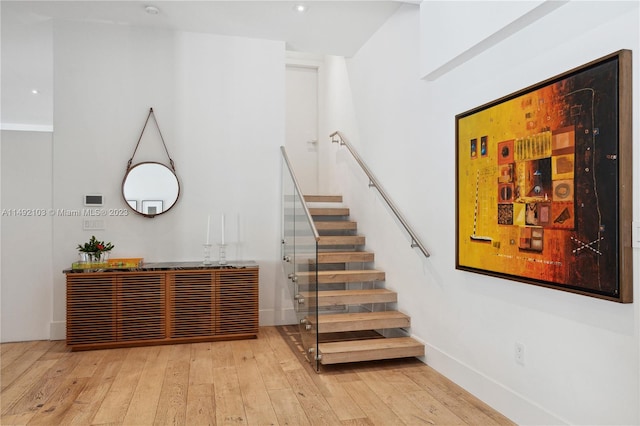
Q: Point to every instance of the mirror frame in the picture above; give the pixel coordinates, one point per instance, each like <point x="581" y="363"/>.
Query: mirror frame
<point x="124" y="180"/>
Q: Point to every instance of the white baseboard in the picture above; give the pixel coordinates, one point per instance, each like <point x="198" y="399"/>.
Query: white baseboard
<point x="58" y="330"/>
<point x="506" y="401"/>
<point x="272" y="317"/>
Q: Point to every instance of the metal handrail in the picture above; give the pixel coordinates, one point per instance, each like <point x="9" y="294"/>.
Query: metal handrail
<point x="337" y="137"/>
<point x="316" y="235"/>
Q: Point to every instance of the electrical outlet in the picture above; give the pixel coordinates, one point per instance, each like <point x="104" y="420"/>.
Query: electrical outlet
<point x="519" y="353"/>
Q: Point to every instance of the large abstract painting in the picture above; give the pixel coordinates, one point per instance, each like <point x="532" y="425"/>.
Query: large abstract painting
<point x="544" y="183"/>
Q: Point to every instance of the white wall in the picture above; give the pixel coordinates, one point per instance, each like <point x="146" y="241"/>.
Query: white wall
<point x="20" y="110"/>
<point x="582" y="360"/>
<point x="25" y="235"/>
<point x="219" y="102"/>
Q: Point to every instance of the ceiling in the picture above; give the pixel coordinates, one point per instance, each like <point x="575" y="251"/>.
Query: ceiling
<point x="326" y="27"/>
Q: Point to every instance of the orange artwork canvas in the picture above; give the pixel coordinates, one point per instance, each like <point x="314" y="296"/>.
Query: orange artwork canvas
<point x="541" y="180"/>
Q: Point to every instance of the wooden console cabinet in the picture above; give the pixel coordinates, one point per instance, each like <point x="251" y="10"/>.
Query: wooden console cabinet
<point x="161" y="304"/>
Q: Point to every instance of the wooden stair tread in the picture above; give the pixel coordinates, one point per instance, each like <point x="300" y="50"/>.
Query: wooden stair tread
<point x="353" y="321"/>
<point x="326" y="277"/>
<point x="352" y="297"/>
<point x="345" y="256"/>
<point x="329" y="211"/>
<point x="337" y="244"/>
<point x="369" y="349"/>
<point x="323" y="198"/>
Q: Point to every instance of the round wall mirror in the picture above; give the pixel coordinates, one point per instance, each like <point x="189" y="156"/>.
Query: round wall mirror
<point x="150" y="188"/>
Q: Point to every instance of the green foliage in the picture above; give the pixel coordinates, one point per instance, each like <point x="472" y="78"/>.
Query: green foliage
<point x="95" y="246"/>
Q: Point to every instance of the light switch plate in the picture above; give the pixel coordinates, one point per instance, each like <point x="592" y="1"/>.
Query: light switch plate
<point x="93" y="224"/>
<point x="635" y="234"/>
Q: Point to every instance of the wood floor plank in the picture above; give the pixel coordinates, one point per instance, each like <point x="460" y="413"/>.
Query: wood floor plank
<point x="257" y="381"/>
<point x="201" y="408"/>
<point x="57" y="350"/>
<point x="172" y="405"/>
<point x="116" y="402"/>
<point x="257" y="404"/>
<point x="340" y="400"/>
<point x="377" y="411"/>
<point x="357" y="422"/>
<point x="88" y="402"/>
<point x="89" y="363"/>
<point x="271" y="371"/>
<point x="15" y="419"/>
<point x="17" y="388"/>
<point x="270" y="366"/>
<point x="10" y="346"/>
<point x="228" y="397"/>
<point x="222" y="354"/>
<point x="144" y="401"/>
<point x="282" y="351"/>
<point x="261" y="344"/>
<point x="287" y="407"/>
<point x="438" y="412"/>
<point x="410" y="412"/>
<point x="56" y="407"/>
<point x="466" y="406"/>
<point x="12" y="351"/>
<point x="201" y="395"/>
<point x="16" y="365"/>
<point x="315" y="406"/>
<point x="43" y="388"/>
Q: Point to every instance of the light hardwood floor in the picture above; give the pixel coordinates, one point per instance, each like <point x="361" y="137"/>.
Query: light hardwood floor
<point x="256" y="382"/>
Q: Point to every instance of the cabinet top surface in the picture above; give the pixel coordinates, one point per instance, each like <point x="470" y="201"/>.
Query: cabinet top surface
<point x="167" y="266"/>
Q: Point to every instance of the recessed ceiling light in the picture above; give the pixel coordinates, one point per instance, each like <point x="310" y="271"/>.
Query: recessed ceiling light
<point x="35" y="91"/>
<point x="300" y="8"/>
<point x="152" y="10"/>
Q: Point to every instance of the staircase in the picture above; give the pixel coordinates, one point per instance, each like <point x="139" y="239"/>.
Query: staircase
<point x="355" y="321"/>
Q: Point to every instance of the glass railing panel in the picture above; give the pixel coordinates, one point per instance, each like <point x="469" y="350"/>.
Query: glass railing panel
<point x="287" y="226"/>
<point x="299" y="253"/>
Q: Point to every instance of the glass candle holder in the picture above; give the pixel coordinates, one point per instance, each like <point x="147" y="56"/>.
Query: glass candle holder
<point x="222" y="254"/>
<point x="207" y="254"/>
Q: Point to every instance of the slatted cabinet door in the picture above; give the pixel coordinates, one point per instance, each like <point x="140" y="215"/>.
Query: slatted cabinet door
<point x="148" y="307"/>
<point x="141" y="306"/>
<point x="237" y="302"/>
<point x="192" y="304"/>
<point x="91" y="309"/>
